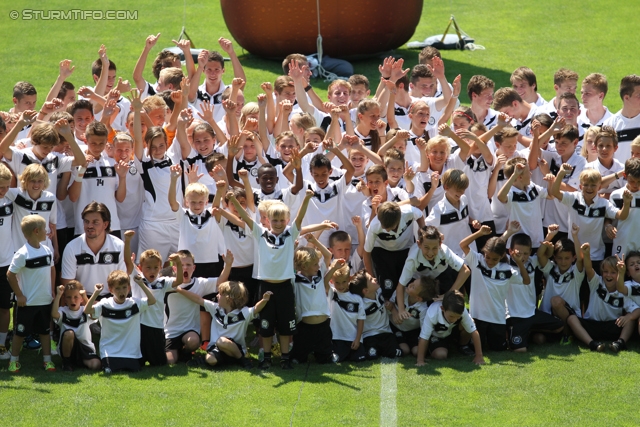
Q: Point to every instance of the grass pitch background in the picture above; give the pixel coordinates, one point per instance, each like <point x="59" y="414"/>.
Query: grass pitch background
<point x="551" y="385"/>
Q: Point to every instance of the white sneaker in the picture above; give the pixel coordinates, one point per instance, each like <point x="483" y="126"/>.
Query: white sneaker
<point x="54" y="348"/>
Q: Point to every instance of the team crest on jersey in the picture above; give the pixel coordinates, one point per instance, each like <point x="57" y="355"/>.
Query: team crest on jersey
<point x="234" y="319"/>
<point x="20" y="327"/>
<point x="254" y="172"/>
<point x="373" y="352"/>
<point x="7" y="210"/>
<point x="501" y="276"/>
<point x="616" y="302"/>
<point x="399" y="334"/>
<point x="388" y="284"/>
<point x="127" y="313"/>
<point x="264" y="324"/>
<point x="109" y="171"/>
<point x="350" y="307"/>
<point x="516" y="340"/>
<point x="48" y="260"/>
<point x="133" y="170"/>
<point x="432" y="121"/>
<point x="49" y="167"/>
<point x="108" y="258"/>
<point x="596" y="213"/>
<point x="45" y="206"/>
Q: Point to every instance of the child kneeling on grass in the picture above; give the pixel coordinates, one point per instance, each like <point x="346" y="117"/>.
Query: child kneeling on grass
<point x="230" y="319"/>
<point x="120" y="320"/>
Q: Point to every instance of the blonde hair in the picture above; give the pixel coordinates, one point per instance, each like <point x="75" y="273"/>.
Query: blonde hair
<point x="455" y="179"/>
<point x="584" y="151"/>
<point x="264" y="205"/>
<point x="31" y="173"/>
<point x="237" y="293"/>
<point x="196" y="189"/>
<point x="73" y="285"/>
<point x="437" y="141"/>
<point x="590" y="176"/>
<point x="122" y="137"/>
<point x="277" y="210"/>
<point x="636" y="142"/>
<point x="303" y="120"/>
<point x="343" y="271"/>
<point x="5" y="173"/>
<point x="249" y="108"/>
<point x="30" y="223"/>
<point x="150" y="255"/>
<point x="304" y="257"/>
<point x="172" y="76"/>
<point x="339" y="82"/>
<point x="153" y="102"/>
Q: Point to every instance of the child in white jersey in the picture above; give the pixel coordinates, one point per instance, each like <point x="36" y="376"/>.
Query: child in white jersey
<point x="420" y="292"/>
<point x="6" y="254"/>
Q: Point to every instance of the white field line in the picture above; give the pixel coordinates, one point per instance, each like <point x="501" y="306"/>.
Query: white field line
<point x="388" y="391"/>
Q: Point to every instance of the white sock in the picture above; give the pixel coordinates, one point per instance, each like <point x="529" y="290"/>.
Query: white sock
<point x="3" y="337"/>
<point x="47" y="358"/>
<point x="14" y="358"/>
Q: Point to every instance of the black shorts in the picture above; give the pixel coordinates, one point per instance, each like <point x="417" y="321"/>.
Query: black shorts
<point x="33" y="319"/>
<point x="79" y="352"/>
<point x="344" y="352"/>
<point x="446" y="279"/>
<point x="519" y="328"/>
<point x="482" y="240"/>
<point x="245" y="275"/>
<point x="209" y="269"/>
<point x="279" y="313"/>
<point x="316" y="339"/>
<point x="388" y="266"/>
<point x="601" y="330"/>
<point x="438" y="342"/>
<point x="120" y="364"/>
<point x="223" y="358"/>
<point x="382" y="345"/>
<point x="176" y="343"/>
<point x="5" y="289"/>
<point x="409" y="338"/>
<point x="152" y="345"/>
<point x="493" y="336"/>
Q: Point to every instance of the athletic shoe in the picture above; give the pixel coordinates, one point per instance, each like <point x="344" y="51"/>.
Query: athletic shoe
<point x="286" y="364"/>
<point x="197" y="362"/>
<point x="596" y="346"/>
<point x="67" y="367"/>
<point x="566" y="340"/>
<point x="265" y="364"/>
<point x="246" y="363"/>
<point x="4" y="353"/>
<point x="54" y="348"/>
<point x="467" y="350"/>
<point x="31" y="343"/>
<point x="618" y="345"/>
<point x="49" y="366"/>
<point x="14" y="367"/>
<point x="204" y="345"/>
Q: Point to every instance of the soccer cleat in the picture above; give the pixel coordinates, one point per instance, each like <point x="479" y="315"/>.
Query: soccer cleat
<point x="596" y="346"/>
<point x="4" y="353"/>
<point x="31" y="343"/>
<point x="14" y="367"/>
<point x="67" y="367"/>
<point x="197" y="362"/>
<point x="618" y="345"/>
<point x="265" y="364"/>
<point x="49" y="366"/>
<point x="204" y="346"/>
<point x="467" y="350"/>
<point x="246" y="363"/>
<point x="54" y="348"/>
<point x="566" y="340"/>
<point x="286" y="364"/>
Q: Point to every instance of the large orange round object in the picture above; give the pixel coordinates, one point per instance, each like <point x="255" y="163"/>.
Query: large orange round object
<point x="277" y="28"/>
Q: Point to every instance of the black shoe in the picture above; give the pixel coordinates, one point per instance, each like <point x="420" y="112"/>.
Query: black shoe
<point x="197" y="362"/>
<point x="618" y="345"/>
<point x="265" y="364"/>
<point x="246" y="363"/>
<point x="286" y="364"/>
<point x="467" y="350"/>
<point x="596" y="346"/>
<point x="67" y="367"/>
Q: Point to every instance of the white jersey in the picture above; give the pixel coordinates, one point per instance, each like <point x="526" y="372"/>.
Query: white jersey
<point x="352" y="206"/>
<point x="499" y="209"/>
<point x="99" y="184"/>
<point x="196" y="159"/>
<point x="478" y="170"/>
<point x="626" y="238"/>
<point x="489" y="287"/>
<point x="182" y="315"/>
<point x="6" y="216"/>
<point x="616" y="167"/>
<point x="377" y="321"/>
<point x="346" y="310"/>
<point x="156" y="178"/>
<point x="633" y="291"/>
<point x="23" y="205"/>
<point x="417" y="265"/>
<point x="54" y="163"/>
<point x="232" y="325"/>
<point x="524" y="126"/>
<point x="215" y="99"/>
<point x="154" y="316"/>
<point x="585" y="123"/>
<point x="311" y="294"/>
<point x="81" y="264"/>
<point x="590" y="218"/>
<point x="436" y="325"/>
<point x="424" y="185"/>
<point x="555" y="211"/>
<point x="78" y="322"/>
<point x="627" y="129"/>
<point x="200" y="235"/>
<point x="33" y="268"/>
<point x="326" y="203"/>
<point x="417" y="311"/>
<point x="565" y="285"/>
<point x="120" y="336"/>
<point x="239" y="241"/>
<point x="604" y="305"/>
<point x="393" y="195"/>
<point x="452" y="222"/>
<point x="525" y="206"/>
<point x="521" y="300"/>
<point x="130" y="210"/>
<point x="395" y="240"/>
<point x="275" y="253"/>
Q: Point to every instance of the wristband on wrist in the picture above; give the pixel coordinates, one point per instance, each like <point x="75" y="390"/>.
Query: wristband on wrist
<point x="386" y="78"/>
<point x="308" y="88"/>
<point x="616" y="175"/>
<point x="454" y="96"/>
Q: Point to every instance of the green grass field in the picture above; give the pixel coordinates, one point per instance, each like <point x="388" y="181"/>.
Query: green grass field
<point x="551" y="385"/>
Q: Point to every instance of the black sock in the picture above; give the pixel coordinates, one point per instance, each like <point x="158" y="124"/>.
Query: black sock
<point x="267" y="355"/>
<point x="285" y="356"/>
